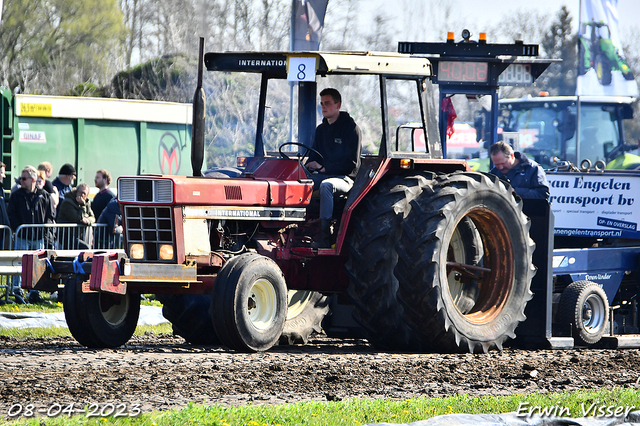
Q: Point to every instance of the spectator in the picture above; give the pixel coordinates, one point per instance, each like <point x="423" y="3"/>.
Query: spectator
<point x="29" y="205"/>
<point x="526" y="176"/>
<point x="110" y="236"/>
<point x="76" y="208"/>
<point x="64" y="182"/>
<point x="41" y="183"/>
<point x="4" y="217"/>
<point x="49" y="236"/>
<point x="47" y="168"/>
<point x="102" y="198"/>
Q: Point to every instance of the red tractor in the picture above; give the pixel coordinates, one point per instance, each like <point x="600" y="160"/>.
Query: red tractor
<point x="431" y="256"/>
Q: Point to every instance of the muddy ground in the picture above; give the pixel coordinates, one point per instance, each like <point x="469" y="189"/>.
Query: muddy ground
<point x="162" y="372"/>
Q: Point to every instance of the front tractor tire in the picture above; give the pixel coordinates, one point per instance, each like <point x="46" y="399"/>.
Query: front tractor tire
<point x="585" y="307"/>
<point x="249" y="303"/>
<point x="454" y="298"/>
<point x="100" y="320"/>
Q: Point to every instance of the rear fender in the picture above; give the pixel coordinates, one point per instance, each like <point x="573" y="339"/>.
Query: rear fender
<point x="373" y="169"/>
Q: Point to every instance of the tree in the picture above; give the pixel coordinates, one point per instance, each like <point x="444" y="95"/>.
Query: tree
<point x="560" y="43"/>
<point x="51" y="46"/>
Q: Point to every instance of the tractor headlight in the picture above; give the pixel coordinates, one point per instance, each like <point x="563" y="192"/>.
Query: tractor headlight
<point x="136" y="251"/>
<point x="166" y="252"/>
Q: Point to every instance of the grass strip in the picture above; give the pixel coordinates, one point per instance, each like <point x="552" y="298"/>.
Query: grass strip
<point x="362" y="411"/>
<point x="41" y="332"/>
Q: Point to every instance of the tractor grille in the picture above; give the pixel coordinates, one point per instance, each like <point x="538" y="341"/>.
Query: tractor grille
<point x="233" y="192"/>
<point x="151" y="226"/>
<point x="145" y="190"/>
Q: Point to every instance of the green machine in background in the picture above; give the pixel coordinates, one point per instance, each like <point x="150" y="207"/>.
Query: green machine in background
<point x="546" y="129"/>
<point x="126" y="137"/>
<point x="595" y="50"/>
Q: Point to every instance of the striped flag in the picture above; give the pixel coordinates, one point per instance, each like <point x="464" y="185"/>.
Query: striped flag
<point x="307" y="21"/>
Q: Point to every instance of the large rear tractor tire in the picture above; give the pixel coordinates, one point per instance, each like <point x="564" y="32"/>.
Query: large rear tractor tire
<point x="454" y="301"/>
<point x="249" y="303"/>
<point x="376" y="228"/>
<point x="584" y="305"/>
<point x="100" y="320"/>
<point x="305" y="312"/>
<point x="190" y="318"/>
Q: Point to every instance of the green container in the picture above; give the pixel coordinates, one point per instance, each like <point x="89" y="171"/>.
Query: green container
<point x="125" y="137"/>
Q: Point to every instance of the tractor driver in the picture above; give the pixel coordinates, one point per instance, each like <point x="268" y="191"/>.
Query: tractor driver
<point x="337" y="138"/>
<point x="525" y="176"/>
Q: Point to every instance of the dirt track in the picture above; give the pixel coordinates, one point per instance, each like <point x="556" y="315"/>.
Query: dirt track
<point x="164" y="373"/>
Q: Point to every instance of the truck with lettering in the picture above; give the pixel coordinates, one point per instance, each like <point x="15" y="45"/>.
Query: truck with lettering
<point x="123" y="136"/>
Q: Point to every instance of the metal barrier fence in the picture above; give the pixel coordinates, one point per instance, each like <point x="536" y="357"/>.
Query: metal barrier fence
<point x="57" y="236"/>
<point x="66" y="236"/>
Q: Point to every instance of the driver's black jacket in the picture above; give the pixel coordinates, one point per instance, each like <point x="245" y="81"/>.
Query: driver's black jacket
<point x="527" y="178"/>
<point x="339" y="143"/>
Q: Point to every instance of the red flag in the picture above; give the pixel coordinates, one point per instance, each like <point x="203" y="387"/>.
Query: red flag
<point x="447" y="107"/>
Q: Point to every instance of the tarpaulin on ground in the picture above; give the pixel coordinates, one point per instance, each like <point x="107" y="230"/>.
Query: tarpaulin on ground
<point x="512" y="419"/>
<point x="149" y="315"/>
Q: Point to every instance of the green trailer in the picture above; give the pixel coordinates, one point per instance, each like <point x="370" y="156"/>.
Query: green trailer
<point x="126" y="137"/>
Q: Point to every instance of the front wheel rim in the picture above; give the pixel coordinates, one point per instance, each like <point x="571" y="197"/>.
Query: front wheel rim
<point x="114" y="308"/>
<point x="262" y="304"/>
<point x="593" y="314"/>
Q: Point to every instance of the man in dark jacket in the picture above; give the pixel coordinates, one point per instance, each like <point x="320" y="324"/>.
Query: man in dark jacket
<point x="337" y="138"/>
<point x="526" y="176"/>
<point x="64" y="182"/>
<point x="102" y="198"/>
<point x="29" y="205"/>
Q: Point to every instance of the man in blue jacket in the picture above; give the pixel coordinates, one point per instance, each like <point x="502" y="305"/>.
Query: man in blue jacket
<point x="525" y="176"/>
<point x="337" y="138"/>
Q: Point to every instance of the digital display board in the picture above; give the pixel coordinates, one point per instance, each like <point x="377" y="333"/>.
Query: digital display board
<point x="516" y="75"/>
<point x="463" y="72"/>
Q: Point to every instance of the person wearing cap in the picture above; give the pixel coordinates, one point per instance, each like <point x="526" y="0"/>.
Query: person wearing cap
<point x="64" y="182"/>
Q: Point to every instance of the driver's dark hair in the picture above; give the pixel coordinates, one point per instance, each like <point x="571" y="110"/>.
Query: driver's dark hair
<point x="501" y="146"/>
<point x="335" y="95"/>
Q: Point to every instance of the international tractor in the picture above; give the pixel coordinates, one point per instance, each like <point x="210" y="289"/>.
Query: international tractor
<point x="426" y="254"/>
<point x="429" y="255"/>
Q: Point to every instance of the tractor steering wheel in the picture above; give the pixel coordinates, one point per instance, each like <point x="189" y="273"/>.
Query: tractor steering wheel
<point x="304" y="154"/>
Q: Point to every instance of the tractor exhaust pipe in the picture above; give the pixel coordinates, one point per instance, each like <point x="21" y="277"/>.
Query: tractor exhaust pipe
<point x="197" y="125"/>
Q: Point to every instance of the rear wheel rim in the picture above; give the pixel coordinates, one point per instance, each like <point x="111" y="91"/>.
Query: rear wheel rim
<point x="297" y="302"/>
<point x="494" y="278"/>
